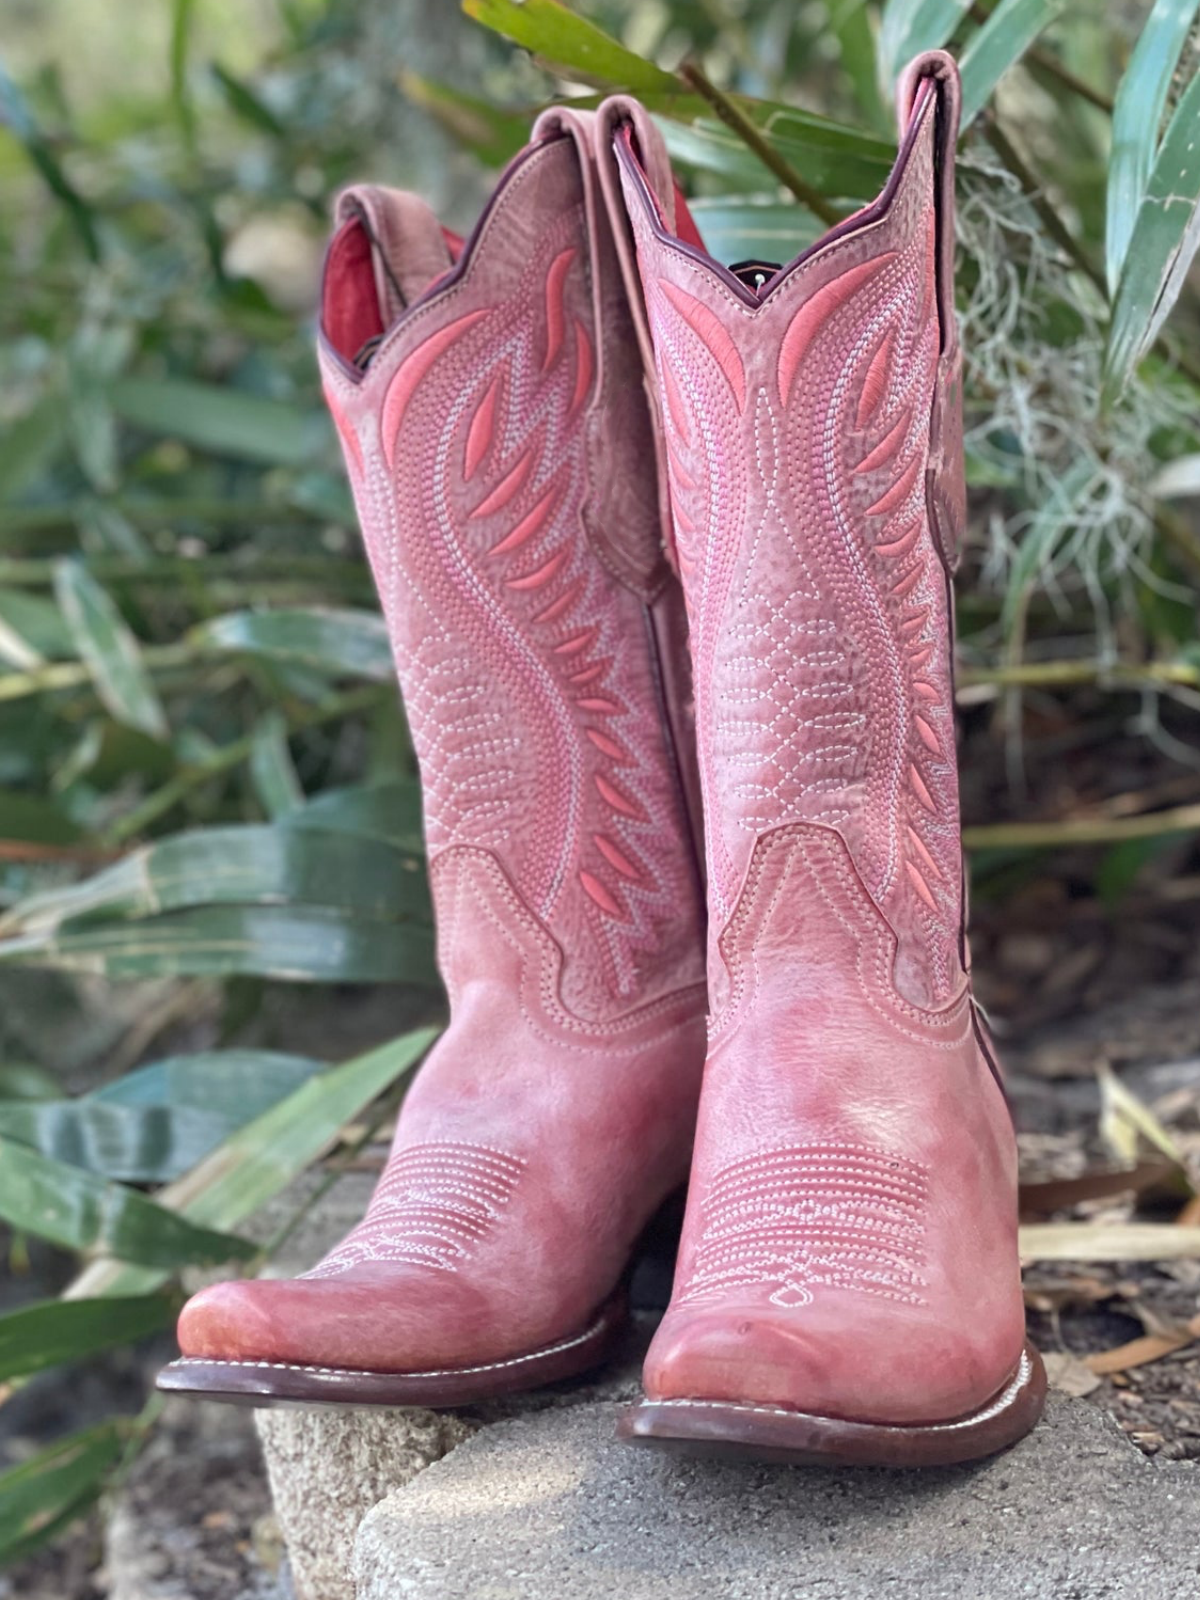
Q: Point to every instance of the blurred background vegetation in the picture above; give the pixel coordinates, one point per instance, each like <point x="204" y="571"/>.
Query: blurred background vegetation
<point x="208" y="803"/>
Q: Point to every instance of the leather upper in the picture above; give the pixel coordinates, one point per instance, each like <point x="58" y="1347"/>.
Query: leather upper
<point x="490" y="401"/>
<point x="850" y="1244"/>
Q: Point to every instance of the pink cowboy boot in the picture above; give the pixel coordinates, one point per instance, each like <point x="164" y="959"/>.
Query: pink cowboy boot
<point x="848" y="1286"/>
<point x="490" y="400"/>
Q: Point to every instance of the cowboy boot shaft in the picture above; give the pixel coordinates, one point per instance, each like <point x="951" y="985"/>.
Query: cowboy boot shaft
<point x="813" y="525"/>
<point x="850" y="1243"/>
<point x="521" y="574"/>
<point x="490" y="402"/>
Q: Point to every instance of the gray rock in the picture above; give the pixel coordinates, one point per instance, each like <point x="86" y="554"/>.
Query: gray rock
<point x="328" y="1467"/>
<point x="552" y="1506"/>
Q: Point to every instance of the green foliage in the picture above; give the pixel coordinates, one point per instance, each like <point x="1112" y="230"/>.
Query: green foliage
<point x="204" y="771"/>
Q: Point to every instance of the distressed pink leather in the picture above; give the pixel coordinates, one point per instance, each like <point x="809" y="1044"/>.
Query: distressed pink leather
<point x="501" y="459"/>
<point x="850" y="1243"/>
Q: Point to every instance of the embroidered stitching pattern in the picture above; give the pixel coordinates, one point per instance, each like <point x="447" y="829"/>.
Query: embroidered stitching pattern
<point x="434" y="1204"/>
<point x="511" y="637"/>
<point x="831" y="1215"/>
<point x="820" y="624"/>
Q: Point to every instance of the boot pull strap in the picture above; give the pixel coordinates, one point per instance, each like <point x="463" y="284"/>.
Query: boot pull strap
<point x="939" y="70"/>
<point x="622" y="116"/>
<point x="409" y="248"/>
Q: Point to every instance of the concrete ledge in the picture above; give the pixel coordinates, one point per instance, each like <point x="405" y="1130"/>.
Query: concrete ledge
<point x="551" y="1507"/>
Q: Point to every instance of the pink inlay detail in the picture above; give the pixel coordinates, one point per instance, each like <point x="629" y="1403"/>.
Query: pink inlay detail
<point x="675" y="406"/>
<point x="564" y="602"/>
<point x="678" y="471"/>
<point x="875" y="383"/>
<point x="815" y="313"/>
<point x="555" y="289"/>
<point x="345" y="431"/>
<point x="403" y="385"/>
<point x="589" y="674"/>
<point x="618" y="801"/>
<point x="597" y="892"/>
<point x="607" y="746"/>
<point x="540" y="576"/>
<point x="928" y="737"/>
<point x="482" y="430"/>
<point x="532" y="522"/>
<point x="717" y="339"/>
<point x="919" y="789"/>
<point x="585" y="366"/>
<point x="598" y="702"/>
<point x="887" y="446"/>
<point x="927" y="860"/>
<point x="919" y="884"/>
<point x="508" y="486"/>
<point x="615" y="859"/>
<point x="903" y="542"/>
<point x="899" y="491"/>
<point x="576" y="643"/>
<point x="907" y="582"/>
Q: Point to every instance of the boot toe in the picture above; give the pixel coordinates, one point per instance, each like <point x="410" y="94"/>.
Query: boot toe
<point x="756" y="1356"/>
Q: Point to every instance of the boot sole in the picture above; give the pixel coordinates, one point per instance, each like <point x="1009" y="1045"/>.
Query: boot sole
<point x="774" y="1433"/>
<point x="271" y="1383"/>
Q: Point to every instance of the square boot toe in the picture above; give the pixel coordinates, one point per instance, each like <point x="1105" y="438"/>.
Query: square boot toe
<point x="855" y="1367"/>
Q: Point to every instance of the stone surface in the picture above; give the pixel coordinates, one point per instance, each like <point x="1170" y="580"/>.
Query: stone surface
<point x="328" y="1467"/>
<point x="551" y="1507"/>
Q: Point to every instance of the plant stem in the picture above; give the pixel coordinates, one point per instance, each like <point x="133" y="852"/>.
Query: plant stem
<point x="1083" y="831"/>
<point x="153" y="513"/>
<point x="230" y="756"/>
<point x="38" y="573"/>
<point x="74" y="674"/>
<point x="1071" y="674"/>
<point x="1031" y="184"/>
<point x="1049" y="64"/>
<point x="734" y="117"/>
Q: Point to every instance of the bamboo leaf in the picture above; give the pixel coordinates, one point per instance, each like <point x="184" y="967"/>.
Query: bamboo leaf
<point x="55" y="1331"/>
<point x="272" y="770"/>
<point x="757" y="226"/>
<point x="261" y="1159"/>
<point x="225" y="422"/>
<point x="246" y="104"/>
<point x="16" y="115"/>
<point x="1163" y="244"/>
<point x="1137" y="118"/>
<point x="354" y="643"/>
<point x="1004" y="38"/>
<point x="566" y="41"/>
<point x="300" y="944"/>
<point x="151" y="1125"/>
<point x="27" y="445"/>
<point x="493" y="135"/>
<point x="390" y="811"/>
<point x="43" y="1495"/>
<point x="109" y="650"/>
<point x="256" y="865"/>
<point x="838" y="161"/>
<point x="79" y="1211"/>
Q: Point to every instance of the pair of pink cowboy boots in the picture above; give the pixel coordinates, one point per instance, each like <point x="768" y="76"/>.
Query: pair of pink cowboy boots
<point x="522" y="415"/>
